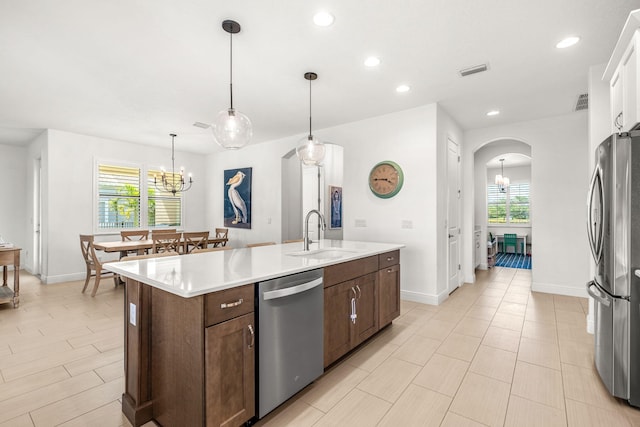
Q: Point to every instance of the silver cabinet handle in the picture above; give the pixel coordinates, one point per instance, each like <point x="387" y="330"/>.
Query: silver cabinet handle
<point x="390" y="271"/>
<point x="285" y="292"/>
<point x="596" y="295"/>
<point x="253" y="336"/>
<point x="231" y="304"/>
<point x="354" y="315"/>
<point x="355" y="294"/>
<point x="618" y="124"/>
<point x="359" y="291"/>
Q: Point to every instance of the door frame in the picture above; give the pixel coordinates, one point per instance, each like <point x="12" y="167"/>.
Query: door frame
<point x="457" y="184"/>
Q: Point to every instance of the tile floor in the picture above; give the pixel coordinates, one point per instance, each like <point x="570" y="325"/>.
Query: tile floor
<point x="494" y="353"/>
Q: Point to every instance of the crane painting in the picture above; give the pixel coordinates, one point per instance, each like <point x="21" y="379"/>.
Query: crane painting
<point x="237" y="198"/>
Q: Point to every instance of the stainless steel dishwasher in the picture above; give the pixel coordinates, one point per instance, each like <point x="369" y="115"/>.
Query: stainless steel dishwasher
<point x="290" y="336"/>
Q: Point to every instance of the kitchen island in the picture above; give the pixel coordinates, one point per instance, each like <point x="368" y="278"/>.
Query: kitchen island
<point x="190" y="326"/>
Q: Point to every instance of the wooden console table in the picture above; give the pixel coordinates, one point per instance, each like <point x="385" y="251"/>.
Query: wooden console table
<point x="10" y="256"/>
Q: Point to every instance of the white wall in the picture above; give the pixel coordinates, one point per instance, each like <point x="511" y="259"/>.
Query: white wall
<point x="71" y="199"/>
<point x="559" y="183"/>
<point x="411" y="139"/>
<point x="13" y="215"/>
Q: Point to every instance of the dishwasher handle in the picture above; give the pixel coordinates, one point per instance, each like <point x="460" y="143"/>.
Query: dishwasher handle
<point x="285" y="292"/>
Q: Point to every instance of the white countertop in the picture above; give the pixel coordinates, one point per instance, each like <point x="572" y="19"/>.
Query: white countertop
<point x="202" y="273"/>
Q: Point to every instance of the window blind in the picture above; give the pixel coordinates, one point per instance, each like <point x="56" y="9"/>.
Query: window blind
<point x="164" y="209"/>
<point x="118" y="197"/>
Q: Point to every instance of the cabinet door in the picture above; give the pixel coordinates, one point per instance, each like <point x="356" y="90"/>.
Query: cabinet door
<point x="389" y="294"/>
<point x="366" y="308"/>
<point x="337" y="320"/>
<point x="630" y="88"/>
<point x="617" y="119"/>
<point x="230" y="370"/>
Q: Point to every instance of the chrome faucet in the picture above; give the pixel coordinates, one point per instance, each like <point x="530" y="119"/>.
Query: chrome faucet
<point x="306" y="239"/>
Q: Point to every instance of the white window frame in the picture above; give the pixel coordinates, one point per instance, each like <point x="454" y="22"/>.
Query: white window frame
<point x="144" y="200"/>
<point x="507" y="222"/>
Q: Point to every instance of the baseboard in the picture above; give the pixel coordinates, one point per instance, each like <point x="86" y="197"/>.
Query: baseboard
<point x="570" y="291"/>
<point x="590" y="324"/>
<point x="424" y="298"/>
<point x="63" y="278"/>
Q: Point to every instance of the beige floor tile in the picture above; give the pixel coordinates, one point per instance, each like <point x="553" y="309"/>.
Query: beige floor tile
<point x="508" y="321"/>
<point x="481" y="312"/>
<point x="535" y="314"/>
<point x="488" y="301"/>
<point x="494" y="363"/>
<point x="537" y="383"/>
<point x="455" y="420"/>
<point x="574" y="333"/>
<point x="450" y="315"/>
<point x="104" y="416"/>
<point x="21" y="421"/>
<point x="482" y="399"/>
<point x="370" y="356"/>
<point x="566" y="303"/>
<point x="417" y="350"/>
<point x="111" y="372"/>
<point x="516" y="297"/>
<point x="53" y="360"/>
<point x="584" y="385"/>
<point x="95" y="361"/>
<point x="417" y="407"/>
<point x="294" y="414"/>
<point x="334" y="385"/>
<point x="504" y="339"/>
<point x="581" y="414"/>
<point x="406" y="305"/>
<point x="540" y="331"/>
<point x="32" y="382"/>
<point x="442" y="374"/>
<point x="397" y="333"/>
<point x="632" y="414"/>
<point x="472" y="327"/>
<point x="495" y="293"/>
<point x="38" y="353"/>
<point x="527" y="413"/>
<point x="542" y="353"/>
<point x="512" y="308"/>
<point x="571" y="317"/>
<point x="33" y="400"/>
<point x="415" y="316"/>
<point x="390" y="379"/>
<point x="436" y="329"/>
<point x="517" y="288"/>
<point x="74" y="406"/>
<point x="356" y="409"/>
<point x="459" y="346"/>
<point x="577" y="353"/>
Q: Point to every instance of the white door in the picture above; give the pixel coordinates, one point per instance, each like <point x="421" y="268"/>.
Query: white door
<point x="453" y="215"/>
<point x="36" y="218"/>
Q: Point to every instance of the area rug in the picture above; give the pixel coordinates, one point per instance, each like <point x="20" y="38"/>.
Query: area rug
<point x="513" y="260"/>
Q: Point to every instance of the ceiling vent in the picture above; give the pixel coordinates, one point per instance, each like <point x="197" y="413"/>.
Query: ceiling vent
<point x="201" y="125"/>
<point x="473" y="70"/>
<point x="583" y="102"/>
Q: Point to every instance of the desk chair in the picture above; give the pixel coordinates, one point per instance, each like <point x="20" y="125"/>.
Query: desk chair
<point x="510" y="240"/>
<point x="93" y="263"/>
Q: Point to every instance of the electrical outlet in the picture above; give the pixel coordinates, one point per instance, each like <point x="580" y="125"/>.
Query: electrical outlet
<point x="360" y="222"/>
<point x="132" y="313"/>
<point x="406" y="223"/>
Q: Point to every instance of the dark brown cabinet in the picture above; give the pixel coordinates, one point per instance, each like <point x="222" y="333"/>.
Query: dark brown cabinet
<point x="389" y="294"/>
<point x="230" y="372"/>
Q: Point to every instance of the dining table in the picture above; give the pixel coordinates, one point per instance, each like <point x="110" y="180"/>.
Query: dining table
<point x="126" y="246"/>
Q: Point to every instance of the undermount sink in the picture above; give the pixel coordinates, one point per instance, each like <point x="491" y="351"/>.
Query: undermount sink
<point x="325" y="253"/>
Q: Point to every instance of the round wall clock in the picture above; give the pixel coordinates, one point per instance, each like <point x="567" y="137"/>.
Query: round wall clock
<point x="386" y="179"/>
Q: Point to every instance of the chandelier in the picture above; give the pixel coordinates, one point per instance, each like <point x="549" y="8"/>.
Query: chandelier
<point x="502" y="181"/>
<point x="173" y="183"/>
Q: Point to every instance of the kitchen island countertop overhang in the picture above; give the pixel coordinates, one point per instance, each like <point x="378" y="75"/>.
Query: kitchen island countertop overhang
<point x="202" y="273"/>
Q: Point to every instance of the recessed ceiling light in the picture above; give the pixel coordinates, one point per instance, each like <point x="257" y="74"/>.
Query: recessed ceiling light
<point x="323" y="19"/>
<point x="372" y="61"/>
<point x="569" y="41"/>
<point x="493" y="113"/>
<point x="403" y="88"/>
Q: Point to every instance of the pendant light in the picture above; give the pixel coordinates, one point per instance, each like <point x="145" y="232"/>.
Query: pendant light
<point x="231" y="129"/>
<point x="310" y="150"/>
<point x="502" y="181"/>
<point x="173" y="184"/>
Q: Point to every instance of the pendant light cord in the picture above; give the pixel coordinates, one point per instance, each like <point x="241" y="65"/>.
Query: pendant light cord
<point x="231" y="67"/>
<point x="310" y="135"/>
<point x="173" y="161"/>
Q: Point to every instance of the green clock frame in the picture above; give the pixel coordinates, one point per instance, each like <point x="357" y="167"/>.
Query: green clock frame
<point x="396" y="190"/>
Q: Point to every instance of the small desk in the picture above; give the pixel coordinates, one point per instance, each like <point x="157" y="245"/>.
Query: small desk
<point x="522" y="237"/>
<point x="10" y="256"/>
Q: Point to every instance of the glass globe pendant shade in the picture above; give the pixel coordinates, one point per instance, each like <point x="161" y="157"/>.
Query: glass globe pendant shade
<point x="232" y="129"/>
<point x="310" y="151"/>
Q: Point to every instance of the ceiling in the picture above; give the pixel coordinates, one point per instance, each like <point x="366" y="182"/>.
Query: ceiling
<point x="136" y="70"/>
<point x="510" y="160"/>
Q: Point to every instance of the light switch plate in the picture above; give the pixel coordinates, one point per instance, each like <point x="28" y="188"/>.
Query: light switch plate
<point x="360" y="222"/>
<point x="406" y="223"/>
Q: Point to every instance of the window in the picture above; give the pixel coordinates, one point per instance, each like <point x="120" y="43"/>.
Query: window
<point x="120" y="205"/>
<point x="510" y="207"/>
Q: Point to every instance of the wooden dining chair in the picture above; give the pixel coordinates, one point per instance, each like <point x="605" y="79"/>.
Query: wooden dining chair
<point x="222" y="233"/>
<point x="93" y="263"/>
<point x="146" y="256"/>
<point x="193" y="240"/>
<point x="166" y="242"/>
<point x="134" y="235"/>
<point x="253" y="245"/>
<point x="293" y="241"/>
<point x="163" y="231"/>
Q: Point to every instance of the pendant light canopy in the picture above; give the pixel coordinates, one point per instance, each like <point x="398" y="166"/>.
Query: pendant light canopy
<point x="231" y="129"/>
<point x="310" y="150"/>
<point x="502" y="181"/>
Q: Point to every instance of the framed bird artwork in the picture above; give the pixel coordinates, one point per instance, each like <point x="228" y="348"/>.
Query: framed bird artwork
<point x="237" y="198"/>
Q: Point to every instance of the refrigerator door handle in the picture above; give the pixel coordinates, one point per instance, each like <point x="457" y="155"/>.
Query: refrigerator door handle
<point x="595" y="242"/>
<point x="597" y="295"/>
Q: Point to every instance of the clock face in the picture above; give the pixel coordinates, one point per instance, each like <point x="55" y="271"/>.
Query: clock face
<point x="385" y="179"/>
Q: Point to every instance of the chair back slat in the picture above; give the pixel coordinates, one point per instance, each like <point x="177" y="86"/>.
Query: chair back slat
<point x="134" y="235"/>
<point x="166" y="242"/>
<point x="195" y="239"/>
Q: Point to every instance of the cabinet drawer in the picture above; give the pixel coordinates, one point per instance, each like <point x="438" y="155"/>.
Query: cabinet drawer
<point x="388" y="259"/>
<point x="227" y="304"/>
<point x="342" y="272"/>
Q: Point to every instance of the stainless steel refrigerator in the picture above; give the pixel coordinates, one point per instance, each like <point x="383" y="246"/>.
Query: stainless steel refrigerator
<point x="614" y="236"/>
